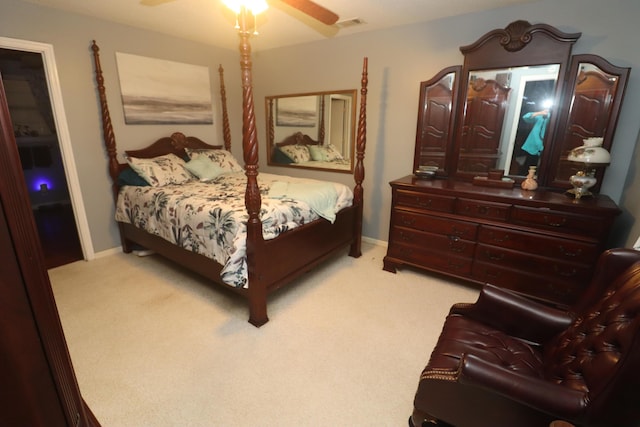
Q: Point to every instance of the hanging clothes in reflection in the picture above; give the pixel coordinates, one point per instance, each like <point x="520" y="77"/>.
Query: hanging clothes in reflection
<point x="534" y="144"/>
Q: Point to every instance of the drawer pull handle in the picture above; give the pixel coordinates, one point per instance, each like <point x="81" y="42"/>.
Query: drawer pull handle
<point x="456" y="245"/>
<point x="551" y="223"/>
<point x="483" y="210"/>
<point x="566" y="253"/>
<point x="495" y="238"/>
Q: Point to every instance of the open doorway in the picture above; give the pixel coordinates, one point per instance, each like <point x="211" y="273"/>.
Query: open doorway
<point x="40" y="134"/>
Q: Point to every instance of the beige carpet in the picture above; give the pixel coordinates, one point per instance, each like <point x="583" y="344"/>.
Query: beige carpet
<point x="153" y="345"/>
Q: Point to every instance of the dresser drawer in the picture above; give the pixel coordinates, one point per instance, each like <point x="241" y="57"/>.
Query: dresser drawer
<point x="482" y="209"/>
<point x="538" y="286"/>
<point x="431" y="259"/>
<point x="452" y="245"/>
<point x="559" y="221"/>
<point x="434" y="224"/>
<point x="431" y="202"/>
<point x="540" y="244"/>
<point x="553" y="268"/>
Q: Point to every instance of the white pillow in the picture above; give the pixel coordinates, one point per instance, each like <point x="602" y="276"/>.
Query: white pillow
<point x="297" y="153"/>
<point x="222" y="158"/>
<point x="204" y="168"/>
<point x="161" y="170"/>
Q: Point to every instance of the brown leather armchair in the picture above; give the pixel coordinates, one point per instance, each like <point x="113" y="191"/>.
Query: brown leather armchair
<point x="508" y="361"/>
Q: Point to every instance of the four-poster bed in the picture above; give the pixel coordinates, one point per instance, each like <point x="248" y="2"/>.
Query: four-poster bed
<point x="270" y="263"/>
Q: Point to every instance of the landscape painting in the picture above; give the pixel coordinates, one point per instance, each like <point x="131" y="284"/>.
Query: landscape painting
<point x="156" y="91"/>
<point x="299" y="111"/>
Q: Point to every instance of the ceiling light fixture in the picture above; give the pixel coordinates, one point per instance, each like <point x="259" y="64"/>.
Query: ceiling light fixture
<point x="244" y="8"/>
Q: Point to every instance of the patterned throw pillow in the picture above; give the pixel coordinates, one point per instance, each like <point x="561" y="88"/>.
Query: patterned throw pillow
<point x="297" y="153"/>
<point x="204" y="168"/>
<point x="222" y="158"/>
<point x="331" y="153"/>
<point x="162" y="170"/>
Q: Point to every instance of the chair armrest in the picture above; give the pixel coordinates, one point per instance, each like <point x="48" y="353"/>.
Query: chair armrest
<point x="515" y="314"/>
<point x="544" y="396"/>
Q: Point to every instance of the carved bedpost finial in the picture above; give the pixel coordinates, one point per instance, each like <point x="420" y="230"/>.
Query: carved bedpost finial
<point x="107" y="128"/>
<point x="226" y="130"/>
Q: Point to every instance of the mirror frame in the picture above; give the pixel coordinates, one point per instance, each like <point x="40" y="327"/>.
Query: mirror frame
<point x="437" y="126"/>
<point x="298" y="137"/>
<point x="563" y="144"/>
<point x="520" y="44"/>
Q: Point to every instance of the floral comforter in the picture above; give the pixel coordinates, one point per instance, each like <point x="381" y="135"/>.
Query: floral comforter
<point x="209" y="218"/>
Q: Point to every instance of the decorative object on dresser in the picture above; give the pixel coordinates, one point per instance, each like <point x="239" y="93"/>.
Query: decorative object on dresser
<point x="473" y="223"/>
<point x="530" y="182"/>
<point x="592" y="155"/>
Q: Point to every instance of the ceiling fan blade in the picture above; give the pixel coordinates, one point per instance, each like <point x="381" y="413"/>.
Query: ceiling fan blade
<point x="314" y="10"/>
<point x="154" y="2"/>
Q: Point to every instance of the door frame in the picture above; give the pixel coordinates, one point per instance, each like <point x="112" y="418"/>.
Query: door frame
<point x="62" y="131"/>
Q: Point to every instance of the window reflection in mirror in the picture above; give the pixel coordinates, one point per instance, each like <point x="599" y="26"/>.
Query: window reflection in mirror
<point x="506" y="118"/>
<point x="312" y="130"/>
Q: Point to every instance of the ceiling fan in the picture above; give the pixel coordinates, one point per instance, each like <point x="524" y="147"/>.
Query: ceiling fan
<point x="307" y="7"/>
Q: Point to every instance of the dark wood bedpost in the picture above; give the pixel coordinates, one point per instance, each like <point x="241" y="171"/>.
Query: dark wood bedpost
<point x="321" y="126"/>
<point x="361" y="143"/>
<point x="107" y="128"/>
<point x="253" y="202"/>
<point x="226" y="130"/>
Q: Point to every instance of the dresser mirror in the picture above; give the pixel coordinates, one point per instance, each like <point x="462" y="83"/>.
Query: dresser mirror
<point x="593" y="108"/>
<point x="312" y="130"/>
<point x="438" y="101"/>
<point x="523" y="101"/>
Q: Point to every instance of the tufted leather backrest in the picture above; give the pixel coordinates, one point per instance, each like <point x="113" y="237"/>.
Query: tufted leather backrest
<point x="599" y="353"/>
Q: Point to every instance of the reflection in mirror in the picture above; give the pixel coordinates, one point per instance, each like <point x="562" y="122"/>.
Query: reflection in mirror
<point x="435" y="120"/>
<point x="312" y="130"/>
<point x="506" y="118"/>
<point x="594" y="95"/>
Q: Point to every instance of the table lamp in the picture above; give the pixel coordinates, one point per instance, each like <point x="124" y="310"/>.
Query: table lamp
<point x="592" y="155"/>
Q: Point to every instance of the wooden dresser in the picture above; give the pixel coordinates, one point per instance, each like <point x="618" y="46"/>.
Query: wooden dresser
<point x="539" y="243"/>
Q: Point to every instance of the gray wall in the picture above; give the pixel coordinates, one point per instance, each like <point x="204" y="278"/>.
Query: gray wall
<point x="398" y="60"/>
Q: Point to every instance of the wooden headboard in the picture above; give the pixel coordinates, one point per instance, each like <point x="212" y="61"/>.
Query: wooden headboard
<point x="297" y="138"/>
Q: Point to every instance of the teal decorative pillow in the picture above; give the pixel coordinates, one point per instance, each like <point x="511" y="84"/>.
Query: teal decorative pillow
<point x="315" y="151"/>
<point x="223" y="158"/>
<point x="162" y="170"/>
<point x="204" y="168"/>
<point x="130" y="177"/>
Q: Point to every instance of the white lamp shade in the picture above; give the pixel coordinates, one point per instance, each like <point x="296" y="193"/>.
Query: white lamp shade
<point x="591" y="153"/>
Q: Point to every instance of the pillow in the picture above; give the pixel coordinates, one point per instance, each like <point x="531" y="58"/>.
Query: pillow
<point x="204" y="168"/>
<point x="315" y="151"/>
<point x="130" y="177"/>
<point x="279" y="157"/>
<point x="297" y="153"/>
<point x="325" y="153"/>
<point x="331" y="153"/>
<point x="161" y="170"/>
<point x="222" y="158"/>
